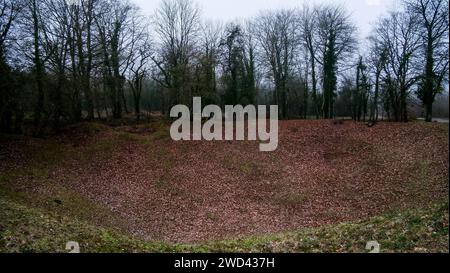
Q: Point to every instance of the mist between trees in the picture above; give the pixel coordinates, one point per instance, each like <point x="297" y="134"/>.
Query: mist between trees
<point x="62" y="62"/>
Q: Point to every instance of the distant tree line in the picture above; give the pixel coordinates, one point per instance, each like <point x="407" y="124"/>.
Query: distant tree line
<point x="66" y="61"/>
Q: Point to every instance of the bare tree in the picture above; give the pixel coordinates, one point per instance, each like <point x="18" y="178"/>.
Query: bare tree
<point x="114" y="23"/>
<point x="86" y="57"/>
<point x="38" y="61"/>
<point x="277" y="36"/>
<point x="9" y="12"/>
<point x="337" y="42"/>
<point x="207" y="61"/>
<point x="138" y="60"/>
<point x="433" y="28"/>
<point x="308" y="31"/>
<point x="376" y="60"/>
<point x="84" y="21"/>
<point x="361" y="93"/>
<point x="398" y="33"/>
<point x="55" y="29"/>
<point x="177" y="23"/>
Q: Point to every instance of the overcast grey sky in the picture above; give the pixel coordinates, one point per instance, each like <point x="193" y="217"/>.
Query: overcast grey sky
<point x="364" y="12"/>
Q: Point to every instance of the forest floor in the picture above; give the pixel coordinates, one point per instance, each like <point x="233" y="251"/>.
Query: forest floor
<point x="328" y="188"/>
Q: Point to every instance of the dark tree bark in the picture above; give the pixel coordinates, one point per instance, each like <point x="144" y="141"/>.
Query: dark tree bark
<point x="38" y="70"/>
<point x="433" y="23"/>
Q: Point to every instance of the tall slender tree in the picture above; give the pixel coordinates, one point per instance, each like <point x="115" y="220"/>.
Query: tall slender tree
<point x="277" y="36"/>
<point x="432" y="17"/>
<point x="337" y="42"/>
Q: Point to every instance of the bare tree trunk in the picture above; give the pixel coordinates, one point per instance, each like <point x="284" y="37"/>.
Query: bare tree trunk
<point x="375" y="99"/>
<point x="39" y="71"/>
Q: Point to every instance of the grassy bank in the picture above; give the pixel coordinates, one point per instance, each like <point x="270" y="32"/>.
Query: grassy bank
<point x="25" y="229"/>
<point x="78" y="186"/>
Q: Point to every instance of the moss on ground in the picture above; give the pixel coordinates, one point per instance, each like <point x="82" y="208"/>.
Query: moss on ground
<point x="25" y="229"/>
<point x="45" y="223"/>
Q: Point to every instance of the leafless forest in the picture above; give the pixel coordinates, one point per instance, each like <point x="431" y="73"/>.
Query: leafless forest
<point x="86" y="89"/>
<point x="66" y="61"/>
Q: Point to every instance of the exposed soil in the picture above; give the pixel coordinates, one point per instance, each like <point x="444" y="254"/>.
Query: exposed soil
<point x="322" y="173"/>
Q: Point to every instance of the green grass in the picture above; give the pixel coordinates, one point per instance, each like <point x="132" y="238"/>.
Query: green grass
<point x="26" y="229"/>
<point x="46" y="156"/>
<point x="35" y="223"/>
